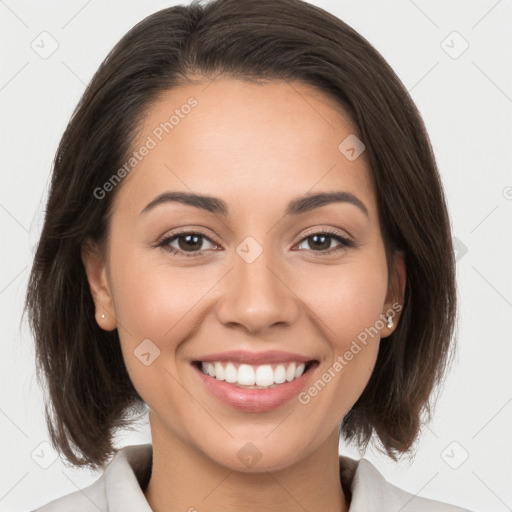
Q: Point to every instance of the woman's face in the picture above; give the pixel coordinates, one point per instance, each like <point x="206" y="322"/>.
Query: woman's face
<point x="250" y="276"/>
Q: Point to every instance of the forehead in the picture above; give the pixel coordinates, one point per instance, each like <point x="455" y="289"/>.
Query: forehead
<point x="260" y="142"/>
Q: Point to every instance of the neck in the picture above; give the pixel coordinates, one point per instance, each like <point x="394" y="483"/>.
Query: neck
<point x="186" y="479"/>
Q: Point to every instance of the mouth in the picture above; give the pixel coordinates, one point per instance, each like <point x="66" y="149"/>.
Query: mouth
<point x="253" y="376"/>
<point x="254" y="381"/>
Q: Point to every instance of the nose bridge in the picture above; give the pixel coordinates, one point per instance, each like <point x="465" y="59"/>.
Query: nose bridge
<point x="256" y="295"/>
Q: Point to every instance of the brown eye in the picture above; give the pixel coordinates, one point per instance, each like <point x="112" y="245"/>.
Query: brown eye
<point x="189" y="242"/>
<point x="186" y="244"/>
<point x="321" y="242"/>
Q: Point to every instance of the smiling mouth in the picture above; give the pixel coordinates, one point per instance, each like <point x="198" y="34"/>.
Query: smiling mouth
<point x="250" y="376"/>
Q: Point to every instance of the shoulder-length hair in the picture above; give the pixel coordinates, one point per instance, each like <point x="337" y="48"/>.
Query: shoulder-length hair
<point x="89" y="391"/>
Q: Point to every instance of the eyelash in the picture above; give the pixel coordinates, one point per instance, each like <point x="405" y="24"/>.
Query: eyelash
<point x="164" y="243"/>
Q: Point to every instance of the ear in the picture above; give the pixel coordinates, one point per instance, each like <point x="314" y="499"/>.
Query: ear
<point x="395" y="296"/>
<point x="96" y="271"/>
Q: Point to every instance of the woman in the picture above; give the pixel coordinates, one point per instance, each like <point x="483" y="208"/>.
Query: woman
<point x="246" y="233"/>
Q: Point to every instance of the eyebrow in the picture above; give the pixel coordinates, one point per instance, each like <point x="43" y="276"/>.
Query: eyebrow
<point x="295" y="207"/>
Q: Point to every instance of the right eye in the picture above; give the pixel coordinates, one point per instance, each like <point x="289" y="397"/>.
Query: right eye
<point x="189" y="243"/>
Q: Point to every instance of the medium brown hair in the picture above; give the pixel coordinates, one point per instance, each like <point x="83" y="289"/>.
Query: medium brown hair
<point x="90" y="394"/>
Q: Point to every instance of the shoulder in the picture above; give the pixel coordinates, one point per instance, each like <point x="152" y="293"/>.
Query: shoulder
<point x="91" y="498"/>
<point x="118" y="489"/>
<point x="371" y="492"/>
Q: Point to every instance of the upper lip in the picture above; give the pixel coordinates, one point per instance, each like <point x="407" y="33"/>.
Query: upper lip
<point x="242" y="356"/>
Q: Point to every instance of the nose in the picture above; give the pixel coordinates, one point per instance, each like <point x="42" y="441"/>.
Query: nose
<point x="256" y="296"/>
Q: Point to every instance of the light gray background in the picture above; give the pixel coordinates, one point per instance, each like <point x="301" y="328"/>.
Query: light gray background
<point x="466" y="103"/>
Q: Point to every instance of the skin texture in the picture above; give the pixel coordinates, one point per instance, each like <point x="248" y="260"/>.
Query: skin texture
<point x="256" y="146"/>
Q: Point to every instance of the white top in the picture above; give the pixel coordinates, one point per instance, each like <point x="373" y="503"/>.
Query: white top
<point x="120" y="488"/>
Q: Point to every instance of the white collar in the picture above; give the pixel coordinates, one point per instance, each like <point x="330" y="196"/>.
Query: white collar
<point x="120" y="488"/>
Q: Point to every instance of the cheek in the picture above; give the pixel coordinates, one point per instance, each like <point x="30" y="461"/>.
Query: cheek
<point x="153" y="302"/>
<point x="354" y="305"/>
<point x="154" y="305"/>
<point x="348" y="303"/>
<point x="348" y="299"/>
<point x="150" y="298"/>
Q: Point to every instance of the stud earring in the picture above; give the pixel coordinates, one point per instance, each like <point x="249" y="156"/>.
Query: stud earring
<point x="102" y="315"/>
<point x="390" y="322"/>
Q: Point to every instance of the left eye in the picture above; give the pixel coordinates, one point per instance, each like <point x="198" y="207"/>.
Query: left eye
<point x="322" y="241"/>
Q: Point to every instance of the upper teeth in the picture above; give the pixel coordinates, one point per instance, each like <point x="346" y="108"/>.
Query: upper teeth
<point x="247" y="375"/>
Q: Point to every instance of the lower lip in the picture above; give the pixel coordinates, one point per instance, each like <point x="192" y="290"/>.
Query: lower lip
<point x="254" y="400"/>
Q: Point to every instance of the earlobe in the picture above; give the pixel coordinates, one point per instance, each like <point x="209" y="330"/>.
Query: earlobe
<point x="95" y="269"/>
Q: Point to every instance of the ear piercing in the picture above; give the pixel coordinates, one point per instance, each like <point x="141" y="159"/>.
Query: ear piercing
<point x="390" y="322"/>
<point x="102" y="315"/>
